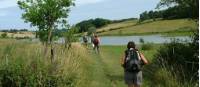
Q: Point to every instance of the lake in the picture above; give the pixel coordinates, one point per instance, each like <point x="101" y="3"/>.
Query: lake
<point x="123" y="40"/>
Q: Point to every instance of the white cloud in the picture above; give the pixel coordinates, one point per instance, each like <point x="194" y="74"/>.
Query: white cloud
<point x="7" y="3"/>
<point x="84" y="2"/>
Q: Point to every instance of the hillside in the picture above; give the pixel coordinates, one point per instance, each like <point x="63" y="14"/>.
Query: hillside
<point x="166" y="27"/>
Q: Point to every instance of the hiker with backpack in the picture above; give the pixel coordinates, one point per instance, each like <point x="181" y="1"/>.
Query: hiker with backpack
<point x="92" y="39"/>
<point x="85" y="40"/>
<point x="132" y="63"/>
<point x="96" y="42"/>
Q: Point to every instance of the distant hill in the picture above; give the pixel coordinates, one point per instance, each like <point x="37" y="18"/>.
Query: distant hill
<point x="131" y="27"/>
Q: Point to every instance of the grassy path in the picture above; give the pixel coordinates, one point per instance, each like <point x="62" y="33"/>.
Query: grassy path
<point x="111" y="58"/>
<point x="107" y="71"/>
<point x="98" y="75"/>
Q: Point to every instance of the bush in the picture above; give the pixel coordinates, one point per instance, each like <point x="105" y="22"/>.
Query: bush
<point x="4" y="35"/>
<point x="141" y="40"/>
<point x="180" y="59"/>
<point x="70" y="37"/>
<point x="146" y="46"/>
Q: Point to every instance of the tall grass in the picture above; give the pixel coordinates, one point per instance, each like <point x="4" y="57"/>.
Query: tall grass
<point x="22" y="65"/>
<point x="179" y="60"/>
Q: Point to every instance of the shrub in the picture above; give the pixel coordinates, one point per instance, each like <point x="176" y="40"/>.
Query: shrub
<point x="180" y="59"/>
<point x="146" y="46"/>
<point x="70" y="36"/>
<point x="4" y="35"/>
<point x="141" y="40"/>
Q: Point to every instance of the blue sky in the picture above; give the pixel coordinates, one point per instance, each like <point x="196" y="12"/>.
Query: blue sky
<point x="10" y="14"/>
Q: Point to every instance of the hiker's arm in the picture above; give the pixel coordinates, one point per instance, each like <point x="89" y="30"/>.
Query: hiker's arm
<point x="122" y="61"/>
<point x="143" y="59"/>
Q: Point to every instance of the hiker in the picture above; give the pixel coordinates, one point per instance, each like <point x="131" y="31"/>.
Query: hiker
<point x="132" y="63"/>
<point x="92" y="39"/>
<point x="96" y="42"/>
<point x="85" y="40"/>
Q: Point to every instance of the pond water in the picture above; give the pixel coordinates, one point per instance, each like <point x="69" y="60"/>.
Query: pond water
<point x="123" y="40"/>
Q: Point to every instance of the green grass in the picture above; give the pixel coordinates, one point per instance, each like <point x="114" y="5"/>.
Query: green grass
<point x="177" y="27"/>
<point x="152" y="75"/>
<point x="22" y="64"/>
<point x="111" y="58"/>
<point x="76" y="67"/>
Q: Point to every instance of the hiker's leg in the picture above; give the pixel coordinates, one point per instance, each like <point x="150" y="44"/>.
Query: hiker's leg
<point x="94" y="47"/>
<point x="98" y="48"/>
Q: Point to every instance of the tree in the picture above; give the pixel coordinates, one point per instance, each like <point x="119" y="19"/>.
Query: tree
<point x="85" y="25"/>
<point x="192" y="5"/>
<point x="99" y="22"/>
<point x="46" y="15"/>
<point x="144" y="16"/>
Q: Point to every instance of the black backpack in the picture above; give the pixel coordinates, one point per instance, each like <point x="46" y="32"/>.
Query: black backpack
<point x="132" y="61"/>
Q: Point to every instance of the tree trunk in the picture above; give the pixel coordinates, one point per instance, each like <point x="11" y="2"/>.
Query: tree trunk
<point x="45" y="49"/>
<point x="49" y="42"/>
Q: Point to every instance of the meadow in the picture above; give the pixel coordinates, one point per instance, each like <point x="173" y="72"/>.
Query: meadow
<point x="176" y="27"/>
<point x="23" y="64"/>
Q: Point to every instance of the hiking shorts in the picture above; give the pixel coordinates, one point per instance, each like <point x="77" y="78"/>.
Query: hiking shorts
<point x="133" y="78"/>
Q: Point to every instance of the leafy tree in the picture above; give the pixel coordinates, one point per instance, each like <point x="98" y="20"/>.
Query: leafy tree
<point x="151" y="15"/>
<point x="99" y="22"/>
<point x="85" y="25"/>
<point x="144" y="16"/>
<point x="46" y="15"/>
<point x="192" y="5"/>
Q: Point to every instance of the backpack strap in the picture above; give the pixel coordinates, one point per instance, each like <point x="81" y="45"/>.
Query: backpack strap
<point x="139" y="55"/>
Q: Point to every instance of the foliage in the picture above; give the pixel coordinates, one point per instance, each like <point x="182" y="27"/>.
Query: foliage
<point x="59" y="32"/>
<point x="123" y="20"/>
<point x="191" y="5"/>
<point x="146" y="46"/>
<point x="69" y="36"/>
<point x="45" y="14"/>
<point x="27" y="67"/>
<point x="4" y="35"/>
<point x="141" y="40"/>
<point x="91" y="30"/>
<point x="97" y="23"/>
<point x="176" y="9"/>
<point x="42" y="35"/>
<point x="183" y="6"/>
<point x="181" y="59"/>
